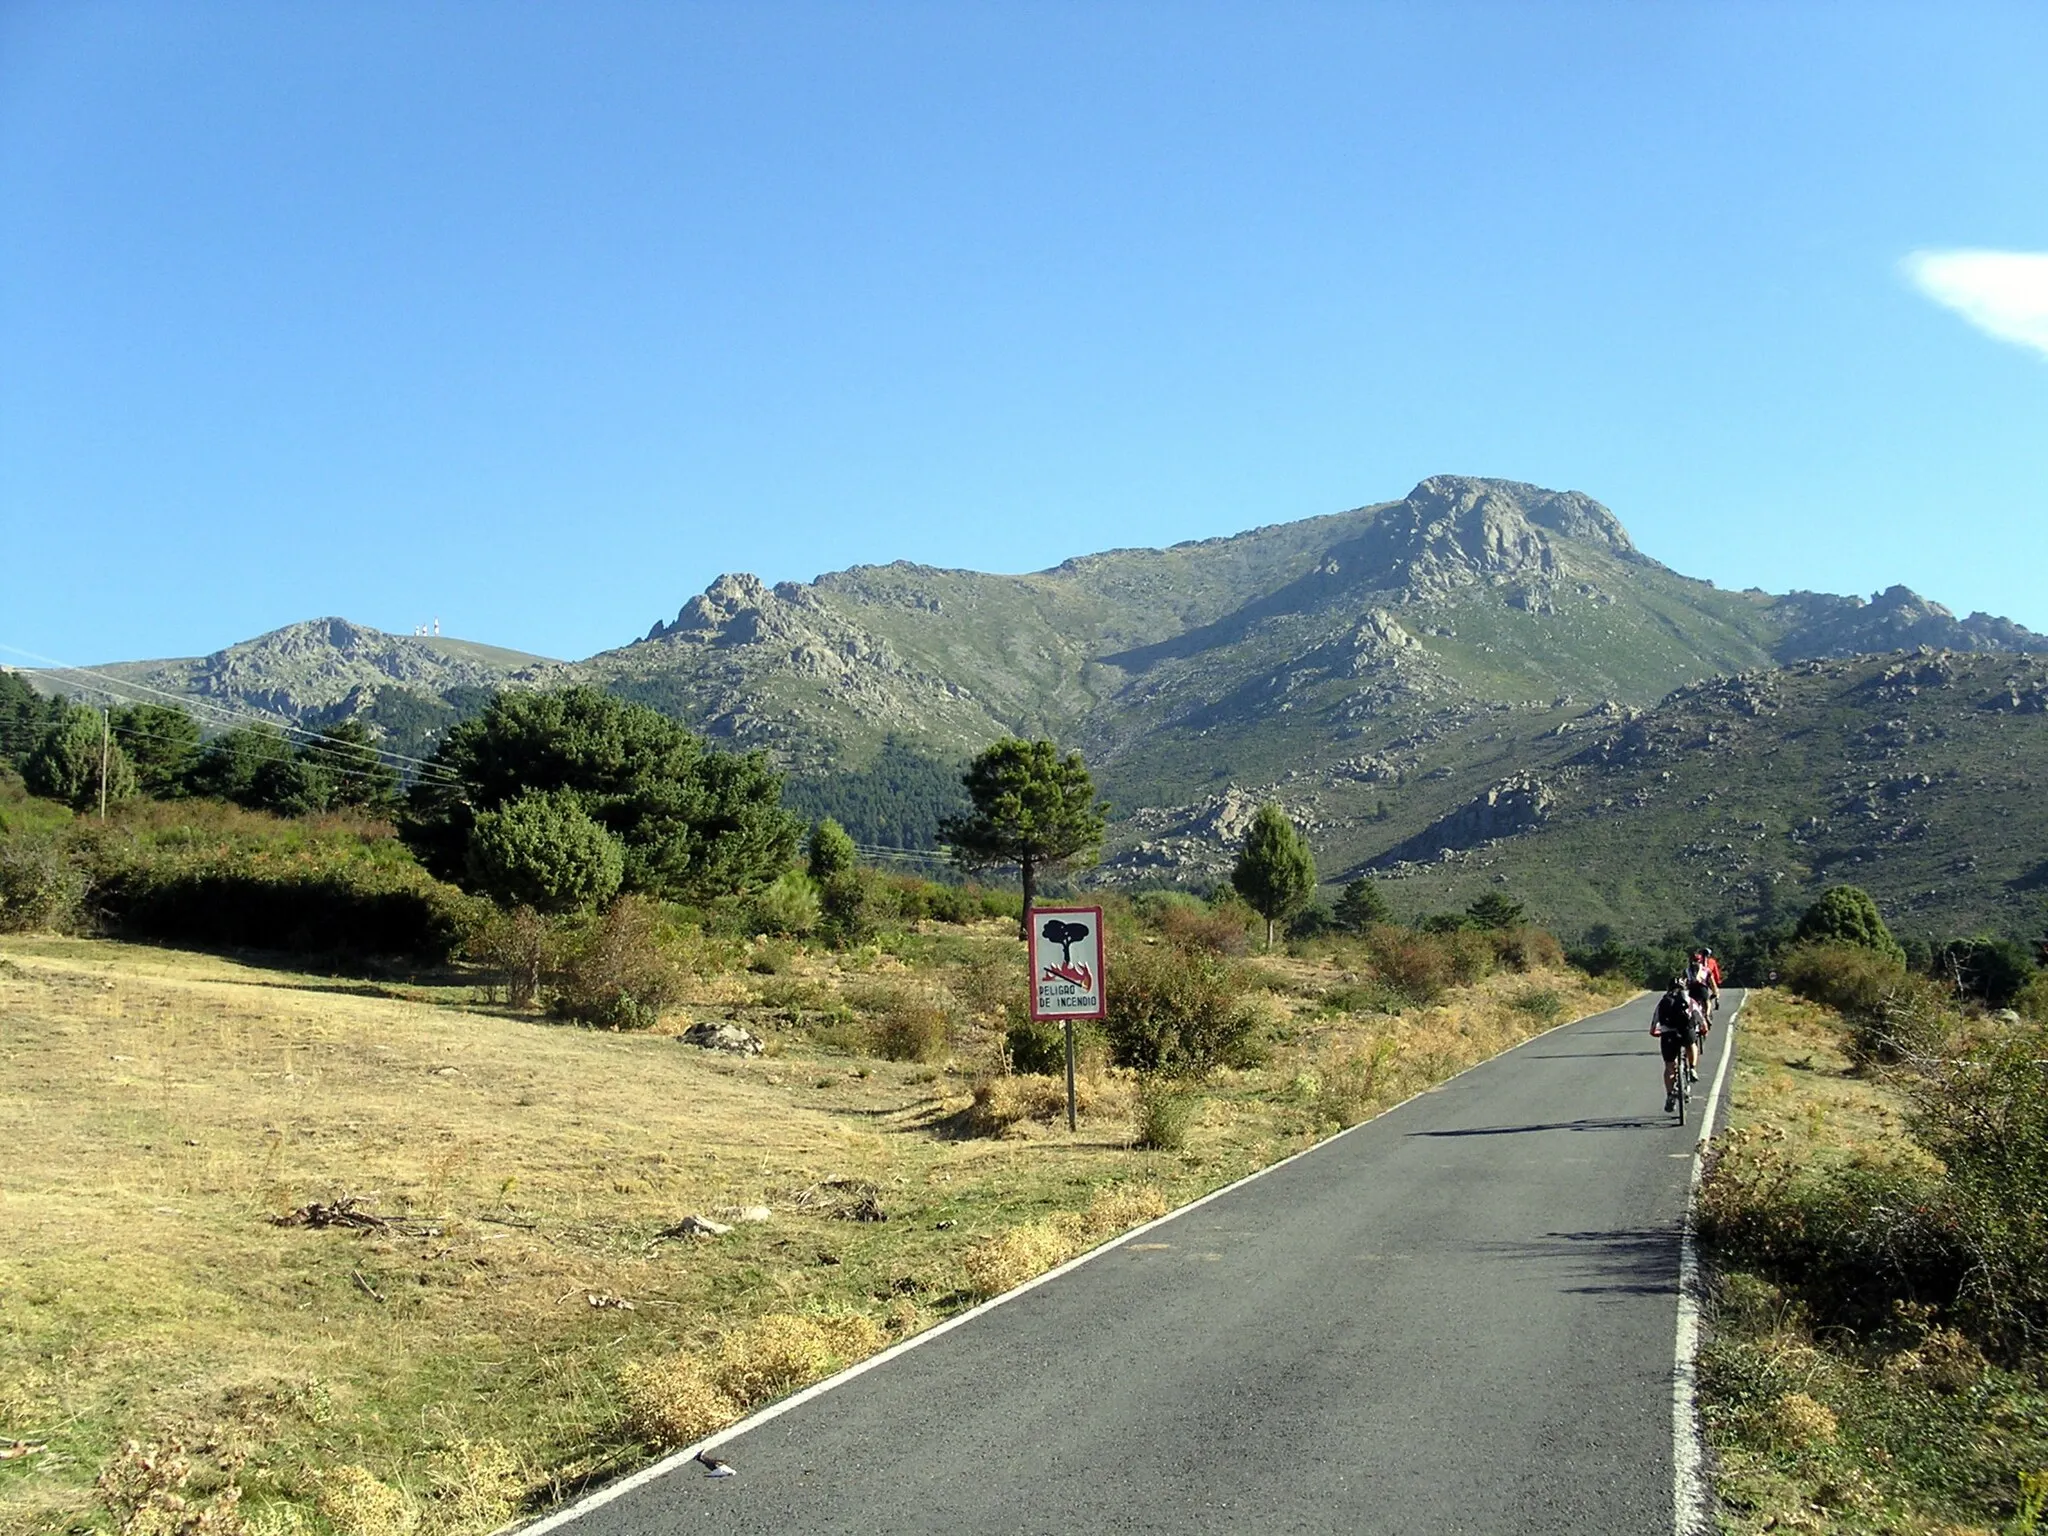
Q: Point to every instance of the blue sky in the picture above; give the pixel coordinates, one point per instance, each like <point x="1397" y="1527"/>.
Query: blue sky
<point x="536" y="317"/>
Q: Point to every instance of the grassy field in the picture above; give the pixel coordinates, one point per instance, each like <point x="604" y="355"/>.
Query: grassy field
<point x="1902" y="1427"/>
<point x="178" y="1355"/>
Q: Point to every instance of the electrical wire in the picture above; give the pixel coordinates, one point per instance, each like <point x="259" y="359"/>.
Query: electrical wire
<point x="228" y="715"/>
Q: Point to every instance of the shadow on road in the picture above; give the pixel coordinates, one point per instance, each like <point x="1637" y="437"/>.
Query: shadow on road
<point x="1626" y="1261"/>
<point x="1616" y="1123"/>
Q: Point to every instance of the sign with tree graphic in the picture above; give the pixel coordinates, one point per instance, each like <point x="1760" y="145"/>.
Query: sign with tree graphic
<point x="1066" y="963"/>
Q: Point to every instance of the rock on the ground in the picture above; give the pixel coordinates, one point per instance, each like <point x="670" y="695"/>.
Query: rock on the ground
<point x="722" y="1037"/>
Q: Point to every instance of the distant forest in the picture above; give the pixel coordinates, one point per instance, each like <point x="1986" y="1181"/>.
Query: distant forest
<point x="897" y="802"/>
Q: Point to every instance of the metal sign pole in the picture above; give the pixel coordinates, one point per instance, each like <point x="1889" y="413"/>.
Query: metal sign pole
<point x="1071" y="1124"/>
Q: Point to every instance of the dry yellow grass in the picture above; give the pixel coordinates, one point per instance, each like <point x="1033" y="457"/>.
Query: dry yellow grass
<point x="517" y="1324"/>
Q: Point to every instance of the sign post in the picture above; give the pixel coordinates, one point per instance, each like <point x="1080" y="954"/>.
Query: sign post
<point x="1065" y="951"/>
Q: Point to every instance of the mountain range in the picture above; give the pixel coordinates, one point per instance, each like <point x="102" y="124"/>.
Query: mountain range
<point x="1420" y="682"/>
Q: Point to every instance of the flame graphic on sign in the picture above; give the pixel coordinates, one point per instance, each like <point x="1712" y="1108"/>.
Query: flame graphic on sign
<point x="1079" y="975"/>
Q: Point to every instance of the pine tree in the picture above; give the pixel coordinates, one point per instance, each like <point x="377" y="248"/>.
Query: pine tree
<point x="1275" y="873"/>
<point x="1032" y="807"/>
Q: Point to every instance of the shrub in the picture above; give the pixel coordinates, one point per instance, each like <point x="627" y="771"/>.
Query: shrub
<point x="1540" y="1003"/>
<point x="1165" y="1110"/>
<point x="1846" y="914"/>
<point x="521" y="945"/>
<point x="1526" y="949"/>
<point x="1173" y="1010"/>
<point x="1984" y="1114"/>
<point x="1119" y="1207"/>
<point x="1419" y="966"/>
<point x="911" y="1027"/>
<point x="1891" y="1012"/>
<point x="40" y="885"/>
<point x="1344" y="1089"/>
<point x="1991" y="970"/>
<point x="829" y="852"/>
<point x="1494" y="910"/>
<point x="776" y="1354"/>
<point x="672" y="1402"/>
<point x="1007" y="1260"/>
<point x="850" y="911"/>
<point x="356" y="1502"/>
<point x="1189" y="925"/>
<point x="1361" y="907"/>
<point x="541" y="850"/>
<point x="2031" y="1001"/>
<point x="1036" y="1045"/>
<point x="619" y="972"/>
<point x="789" y="907"/>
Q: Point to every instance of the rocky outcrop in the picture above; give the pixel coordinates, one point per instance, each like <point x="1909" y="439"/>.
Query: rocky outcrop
<point x="1896" y="619"/>
<point x="1520" y="803"/>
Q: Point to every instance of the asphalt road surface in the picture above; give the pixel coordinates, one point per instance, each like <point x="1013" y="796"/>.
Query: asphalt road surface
<point x="1459" y="1317"/>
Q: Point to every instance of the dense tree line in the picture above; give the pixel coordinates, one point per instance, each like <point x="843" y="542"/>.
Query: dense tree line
<point x="898" y="801"/>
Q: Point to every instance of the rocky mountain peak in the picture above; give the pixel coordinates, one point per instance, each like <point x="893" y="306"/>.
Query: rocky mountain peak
<point x="1456" y="531"/>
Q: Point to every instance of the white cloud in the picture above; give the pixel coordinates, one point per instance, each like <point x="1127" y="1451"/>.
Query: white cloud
<point x="2002" y="293"/>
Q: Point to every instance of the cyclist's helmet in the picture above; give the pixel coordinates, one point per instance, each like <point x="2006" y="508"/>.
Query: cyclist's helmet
<point x="1707" y="954"/>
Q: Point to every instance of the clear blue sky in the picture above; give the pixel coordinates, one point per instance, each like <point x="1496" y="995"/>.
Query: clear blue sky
<point x="536" y="317"/>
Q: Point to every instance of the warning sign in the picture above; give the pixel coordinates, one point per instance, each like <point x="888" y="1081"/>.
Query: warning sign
<point x="1066" y="963"/>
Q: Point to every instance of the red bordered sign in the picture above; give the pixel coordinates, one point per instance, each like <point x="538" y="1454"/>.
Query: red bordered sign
<point x="1066" y="963"/>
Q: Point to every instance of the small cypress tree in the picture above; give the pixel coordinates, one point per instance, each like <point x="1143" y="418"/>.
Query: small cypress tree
<point x="1275" y="873"/>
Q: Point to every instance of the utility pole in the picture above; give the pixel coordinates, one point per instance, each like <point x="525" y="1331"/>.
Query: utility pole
<point x="106" y="751"/>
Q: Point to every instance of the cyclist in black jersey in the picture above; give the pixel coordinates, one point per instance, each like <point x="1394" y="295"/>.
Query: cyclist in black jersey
<point x="1676" y="1023"/>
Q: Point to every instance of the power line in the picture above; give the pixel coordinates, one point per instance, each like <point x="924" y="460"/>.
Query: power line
<point x="232" y="715"/>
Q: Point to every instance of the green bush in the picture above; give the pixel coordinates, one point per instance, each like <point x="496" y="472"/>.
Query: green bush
<point x="912" y="1027"/>
<point x="790" y="907"/>
<point x="1036" y="1046"/>
<point x="851" y="909"/>
<point x="1178" y="1010"/>
<point x="621" y="970"/>
<point x="1540" y="1003"/>
<point x="1984" y="1114"/>
<point x="828" y="851"/>
<point x="1166" y="1109"/>
<point x="1846" y="914"/>
<point x="541" y="850"/>
<point x="1994" y="971"/>
<point x="41" y="886"/>
<point x="521" y="945"/>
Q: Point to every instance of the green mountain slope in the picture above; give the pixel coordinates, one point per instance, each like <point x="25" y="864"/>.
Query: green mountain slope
<point x="1922" y="777"/>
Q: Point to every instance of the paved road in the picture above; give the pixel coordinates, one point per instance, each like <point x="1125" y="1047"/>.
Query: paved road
<point x="1459" y="1317"/>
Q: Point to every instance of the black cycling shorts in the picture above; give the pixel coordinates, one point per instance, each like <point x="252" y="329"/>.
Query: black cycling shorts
<point x="1698" y="991"/>
<point x="1674" y="1041"/>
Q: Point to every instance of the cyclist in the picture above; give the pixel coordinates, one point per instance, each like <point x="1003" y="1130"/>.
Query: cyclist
<point x="1713" y="977"/>
<point x="1676" y="1023"/>
<point x="1699" y="984"/>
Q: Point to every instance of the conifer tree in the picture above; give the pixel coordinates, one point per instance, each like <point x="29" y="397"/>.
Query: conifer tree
<point x="1275" y="873"/>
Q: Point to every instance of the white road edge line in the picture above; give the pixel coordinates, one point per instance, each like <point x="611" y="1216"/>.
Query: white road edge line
<point x="1688" y="1474"/>
<point x="753" y="1421"/>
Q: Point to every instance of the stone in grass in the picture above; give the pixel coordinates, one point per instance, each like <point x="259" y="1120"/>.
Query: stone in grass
<point x="695" y="1226"/>
<point x="713" y="1036"/>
